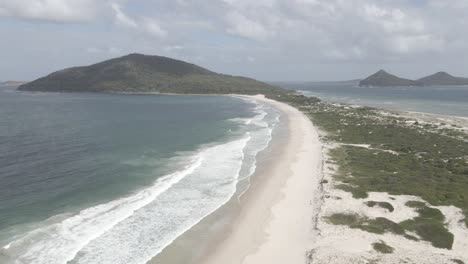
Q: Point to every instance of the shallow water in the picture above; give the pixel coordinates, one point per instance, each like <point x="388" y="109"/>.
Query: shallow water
<point x="92" y="178"/>
<point x="443" y="100"/>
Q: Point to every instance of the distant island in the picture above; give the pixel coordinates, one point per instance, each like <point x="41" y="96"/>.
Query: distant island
<point x="138" y="73"/>
<point x="11" y="83"/>
<point x="385" y="79"/>
<point x="443" y="78"/>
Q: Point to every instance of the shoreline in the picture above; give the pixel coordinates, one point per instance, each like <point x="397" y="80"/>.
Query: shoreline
<point x="281" y="202"/>
<point x="284" y="189"/>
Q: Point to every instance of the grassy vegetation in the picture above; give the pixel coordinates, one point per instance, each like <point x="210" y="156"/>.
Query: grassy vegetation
<point x="429" y="226"/>
<point x="380" y="225"/>
<point x="385" y="205"/>
<point x="382" y="247"/>
<point x="405" y="157"/>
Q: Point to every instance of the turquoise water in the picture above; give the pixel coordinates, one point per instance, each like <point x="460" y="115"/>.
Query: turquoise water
<point x="93" y="178"/>
<point x="443" y="100"/>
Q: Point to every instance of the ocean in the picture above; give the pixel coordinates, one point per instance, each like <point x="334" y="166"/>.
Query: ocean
<point x="442" y="100"/>
<point x="107" y="178"/>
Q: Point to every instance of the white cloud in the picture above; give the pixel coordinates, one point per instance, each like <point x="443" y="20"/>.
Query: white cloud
<point x="243" y="26"/>
<point x="337" y="29"/>
<point x="121" y="18"/>
<point x="143" y="24"/>
<point x="152" y="27"/>
<point x="296" y="33"/>
<point x="393" y="20"/>
<point x="93" y="50"/>
<point x="114" y="50"/>
<point x="173" y="48"/>
<point x="50" y="10"/>
<point x="417" y="43"/>
<point x="251" y="59"/>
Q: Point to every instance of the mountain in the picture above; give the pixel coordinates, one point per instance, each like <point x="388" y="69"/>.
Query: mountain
<point x="11" y="83"/>
<point x="385" y="79"/>
<point x="143" y="73"/>
<point x="443" y="78"/>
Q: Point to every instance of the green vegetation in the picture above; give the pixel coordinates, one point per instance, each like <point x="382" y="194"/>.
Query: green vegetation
<point x="380" y="225"/>
<point x="429" y="226"/>
<point x="385" y="205"/>
<point x="351" y="220"/>
<point x="300" y="101"/>
<point x="443" y="78"/>
<point x="457" y="261"/>
<point x="143" y="74"/>
<point x="404" y="158"/>
<point x="356" y="191"/>
<point x="382" y="247"/>
<point x="383" y="79"/>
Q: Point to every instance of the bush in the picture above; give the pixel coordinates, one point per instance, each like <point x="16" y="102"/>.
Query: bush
<point x="382" y="247"/>
<point x="385" y="205"/>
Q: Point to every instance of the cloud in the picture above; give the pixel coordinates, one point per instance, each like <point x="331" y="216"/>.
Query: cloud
<point x="393" y="20"/>
<point x="122" y="19"/>
<point x="66" y="11"/>
<point x="294" y="39"/>
<point x="243" y="26"/>
<point x="143" y="24"/>
<point x="172" y="48"/>
<point x="152" y="27"/>
<point x="93" y="50"/>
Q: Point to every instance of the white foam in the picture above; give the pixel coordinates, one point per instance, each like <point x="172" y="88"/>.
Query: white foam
<point x="147" y="232"/>
<point x="244" y="121"/>
<point x="59" y="242"/>
<point x="261" y="138"/>
<point x="134" y="229"/>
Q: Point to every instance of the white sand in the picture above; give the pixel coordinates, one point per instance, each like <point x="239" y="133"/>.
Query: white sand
<point x="275" y="223"/>
<point x="343" y="245"/>
<point x="283" y="215"/>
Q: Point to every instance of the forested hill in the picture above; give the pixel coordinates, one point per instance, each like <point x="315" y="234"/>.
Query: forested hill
<point x="385" y="79"/>
<point x="144" y="73"/>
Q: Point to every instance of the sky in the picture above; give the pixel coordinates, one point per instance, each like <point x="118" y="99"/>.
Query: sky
<point x="270" y="40"/>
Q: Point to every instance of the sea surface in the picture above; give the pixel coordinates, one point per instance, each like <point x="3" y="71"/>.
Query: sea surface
<point x="442" y="100"/>
<point x="97" y="178"/>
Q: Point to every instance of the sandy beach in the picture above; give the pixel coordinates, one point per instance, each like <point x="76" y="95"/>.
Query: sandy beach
<point x="282" y="216"/>
<point x="276" y="216"/>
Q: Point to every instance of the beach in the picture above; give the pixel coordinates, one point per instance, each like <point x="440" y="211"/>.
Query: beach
<point x="275" y="219"/>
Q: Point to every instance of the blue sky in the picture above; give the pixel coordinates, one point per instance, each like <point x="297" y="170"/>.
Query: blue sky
<point x="269" y="40"/>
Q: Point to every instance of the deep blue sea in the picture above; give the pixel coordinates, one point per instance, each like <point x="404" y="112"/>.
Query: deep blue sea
<point x="100" y="178"/>
<point x="443" y="100"/>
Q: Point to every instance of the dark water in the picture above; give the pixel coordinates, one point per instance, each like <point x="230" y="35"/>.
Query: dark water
<point x="64" y="153"/>
<point x="444" y="100"/>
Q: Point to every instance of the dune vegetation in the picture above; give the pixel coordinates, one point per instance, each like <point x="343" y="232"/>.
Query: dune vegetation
<point x="403" y="157"/>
